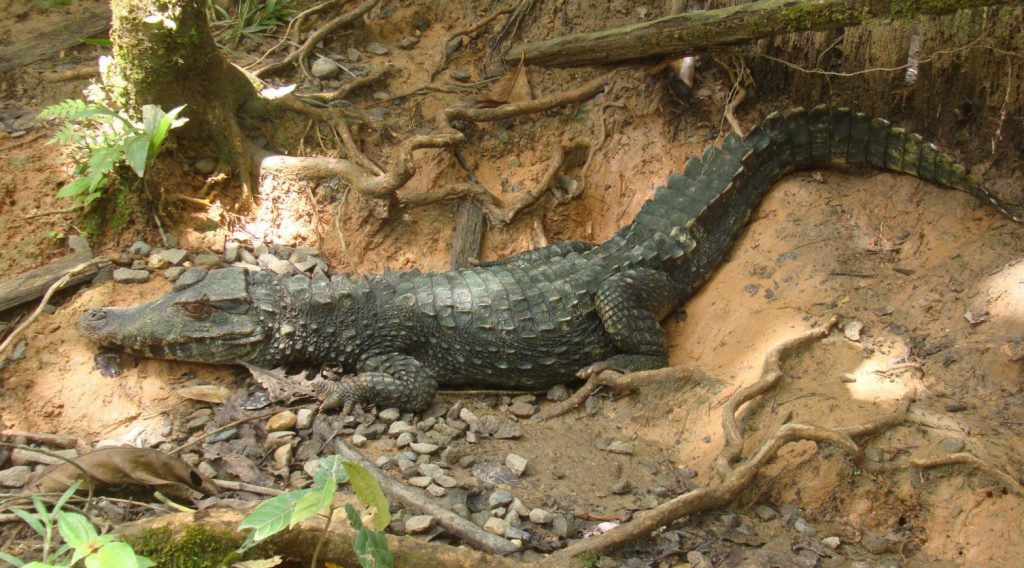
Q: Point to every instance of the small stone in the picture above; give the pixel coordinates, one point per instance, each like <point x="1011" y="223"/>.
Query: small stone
<point x="496" y="526"/>
<point x="406" y="467"/>
<point x="507" y="430"/>
<point x="209" y="261"/>
<point x="174" y="256"/>
<point x="376" y="48"/>
<point x="421" y="481"/>
<point x="16" y="476"/>
<point x="952" y="445"/>
<point x="620" y="447"/>
<point x="423" y="448"/>
<point x="873" y="454"/>
<point x="381" y="95"/>
<point x="353" y="55"/>
<point x="853" y="329"/>
<point x="956" y="407"/>
<point x="389" y="414"/>
<point x="541" y="516"/>
<point x="325" y="68"/>
<point x="1014" y="350"/>
<point x="383" y="462"/>
<point x="436" y="490"/>
<point x="404" y="439"/>
<point x="470" y="419"/>
<point x="173" y="273"/>
<point x="205" y="166"/>
<point x="430" y="469"/>
<point x="247" y="257"/>
<point x="157" y="262"/>
<point x="461" y="76"/>
<point x="419" y="524"/>
<point x="303" y="418"/>
<point x="399" y="427"/>
<point x="516" y="463"/>
<point x="358" y="440"/>
<point x="223" y="435"/>
<point x="281" y="267"/>
<point x="561" y="526"/>
<point x="306" y="265"/>
<point x="621" y="487"/>
<point x="557" y="393"/>
<point x="139" y="249"/>
<point x="408" y="42"/>
<point x="283" y="456"/>
<point x="499" y="499"/>
<point x="446" y="481"/>
<point x="522" y="409"/>
<point x="282" y="421"/>
<point x="171" y="240"/>
<point x="371" y="431"/>
<point x="765" y="513"/>
<point x="832" y="542"/>
<point x="697" y="559"/>
<point x="801" y="526"/>
<point x="129" y="276"/>
<point x="266" y="259"/>
<point x="874" y="543"/>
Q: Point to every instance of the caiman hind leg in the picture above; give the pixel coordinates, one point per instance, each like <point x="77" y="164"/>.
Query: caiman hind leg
<point x="631" y="305"/>
<point x="391" y="380"/>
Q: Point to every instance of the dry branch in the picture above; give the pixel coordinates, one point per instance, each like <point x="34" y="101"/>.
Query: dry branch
<point x="698" y="31"/>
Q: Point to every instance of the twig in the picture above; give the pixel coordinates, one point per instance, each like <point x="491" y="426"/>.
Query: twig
<point x="294" y="23"/>
<point x="454" y="524"/>
<point x="58" y="440"/>
<point x="302" y="52"/>
<point x="617" y="381"/>
<point x="343" y="91"/>
<point x="49" y="294"/>
<point x="70" y="74"/>
<point x="445" y="54"/>
<point x="51" y="212"/>
<point x="247" y="487"/>
<point x="338" y="212"/>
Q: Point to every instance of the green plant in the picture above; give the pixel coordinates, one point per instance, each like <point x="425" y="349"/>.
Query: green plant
<point x="252" y="19"/>
<point x="81" y="540"/>
<point x="288" y="509"/>
<point x="100" y="138"/>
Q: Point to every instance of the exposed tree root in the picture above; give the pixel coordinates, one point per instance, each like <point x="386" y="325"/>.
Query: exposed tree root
<point x="466" y="530"/>
<point x="735" y="477"/>
<point x="450" y="46"/>
<point x="617" y="381"/>
<point x="346" y="88"/>
<point x="314" y="38"/>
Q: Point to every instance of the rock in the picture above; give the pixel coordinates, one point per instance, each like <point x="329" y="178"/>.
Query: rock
<point x="21" y="456"/>
<point x="173" y="273"/>
<point x="696" y="559"/>
<point x="16" y="476"/>
<point x="247" y="257"/>
<point x="423" y="448"/>
<point x="223" y="435"/>
<point x="436" y="490"/>
<point x="353" y="55"/>
<point x="389" y="414"/>
<point x="208" y="261"/>
<point x="461" y="76"/>
<point x="832" y="542"/>
<point x="470" y="419"/>
<point x="522" y="409"/>
<point x="129" y="276"/>
<point x="399" y="427"/>
<point x="561" y="526"/>
<point x="507" y="430"/>
<point x="557" y="393"/>
<point x="303" y="418"/>
<point x="358" y="440"/>
<point x="266" y="258"/>
<point x="499" y="499"/>
<point x="171" y="240"/>
<point x="952" y="445"/>
<point x="874" y="543"/>
<point x="496" y="526"/>
<point x="205" y="166"/>
<point x="956" y="407"/>
<point x="376" y="48"/>
<point x="873" y="454"/>
<point x="408" y="42"/>
<point x="1014" y="350"/>
<point x="446" y="481"/>
<point x="419" y="524"/>
<point x="430" y="469"/>
<point x="516" y="463"/>
<point x="281" y="267"/>
<point x="305" y="265"/>
<point x="282" y="421"/>
<point x="371" y="431"/>
<point x="620" y="447"/>
<point x="853" y="329"/>
<point x="325" y="68"/>
<point x="174" y="256"/>
<point x="621" y="487"/>
<point x="541" y="516"/>
<point x="404" y="439"/>
<point x="421" y="481"/>
<point x="139" y="249"/>
<point x="283" y="457"/>
<point x="801" y="526"/>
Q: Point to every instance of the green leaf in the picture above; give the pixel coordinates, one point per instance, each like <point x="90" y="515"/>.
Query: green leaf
<point x="100" y="41"/>
<point x="369" y="493"/>
<point x="161" y="126"/>
<point x="76" y="187"/>
<point x="136" y="152"/>
<point x="332" y="467"/>
<point x="313" y="502"/>
<point x="143" y="562"/>
<point x="76" y="530"/>
<point x="35" y="564"/>
<point x="113" y="555"/>
<point x="353" y="517"/>
<point x="272" y="515"/>
<point x="12" y="560"/>
<point x="66" y="495"/>
<point x="372" y="549"/>
<point x="30" y="519"/>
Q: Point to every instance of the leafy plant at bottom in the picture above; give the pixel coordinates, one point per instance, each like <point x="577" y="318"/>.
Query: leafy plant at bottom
<point x="80" y="538"/>
<point x="291" y="508"/>
<point x="100" y="138"/>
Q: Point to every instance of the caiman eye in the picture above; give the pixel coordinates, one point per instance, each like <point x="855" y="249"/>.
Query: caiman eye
<point x="197" y="310"/>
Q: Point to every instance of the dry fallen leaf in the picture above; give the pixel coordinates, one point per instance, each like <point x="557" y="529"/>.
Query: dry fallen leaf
<point x="513" y="87"/>
<point x="205" y="393"/>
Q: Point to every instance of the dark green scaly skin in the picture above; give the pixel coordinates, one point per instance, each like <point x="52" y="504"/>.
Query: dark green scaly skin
<point x="531" y="320"/>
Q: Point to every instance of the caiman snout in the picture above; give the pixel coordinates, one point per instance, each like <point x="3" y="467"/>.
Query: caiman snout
<point x="92" y="321"/>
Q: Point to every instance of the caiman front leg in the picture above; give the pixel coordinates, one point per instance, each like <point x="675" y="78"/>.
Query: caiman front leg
<point x="631" y="305"/>
<point x="390" y="380"/>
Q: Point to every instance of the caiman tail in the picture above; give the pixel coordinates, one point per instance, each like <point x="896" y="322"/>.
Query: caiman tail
<point x="689" y="226"/>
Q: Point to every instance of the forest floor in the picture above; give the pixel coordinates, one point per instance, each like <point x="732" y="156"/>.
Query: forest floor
<point x="926" y="283"/>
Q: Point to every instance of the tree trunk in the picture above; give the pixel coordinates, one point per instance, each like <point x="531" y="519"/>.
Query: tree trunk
<point x="174" y="61"/>
<point x="695" y="31"/>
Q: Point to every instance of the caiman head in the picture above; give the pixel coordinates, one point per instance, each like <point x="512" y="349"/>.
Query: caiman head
<point x="220" y="316"/>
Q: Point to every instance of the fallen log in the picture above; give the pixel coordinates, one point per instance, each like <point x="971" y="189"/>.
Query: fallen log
<point x="698" y="31"/>
<point x="34" y="283"/>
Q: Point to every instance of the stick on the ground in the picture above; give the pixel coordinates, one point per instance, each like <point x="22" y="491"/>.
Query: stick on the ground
<point x="454" y="524"/>
<point x="469" y="232"/>
<point x="616" y="381"/>
<point x="700" y="31"/>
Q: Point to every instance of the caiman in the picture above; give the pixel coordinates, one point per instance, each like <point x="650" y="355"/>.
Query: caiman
<point x="528" y="321"/>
